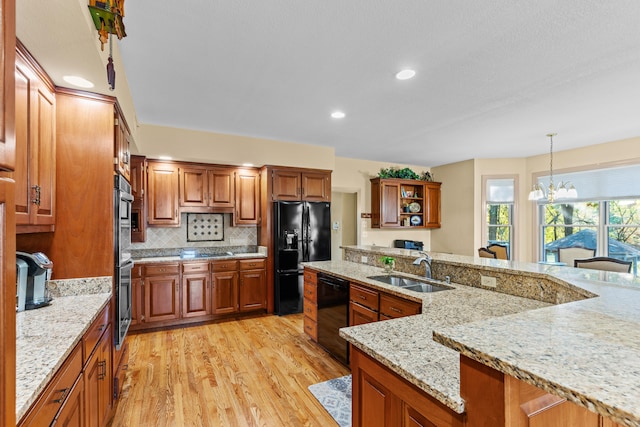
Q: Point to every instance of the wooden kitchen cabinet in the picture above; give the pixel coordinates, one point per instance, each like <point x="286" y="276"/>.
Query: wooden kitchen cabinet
<point x="224" y="277"/>
<point x="161" y="292"/>
<point x="405" y="203"/>
<point x="72" y="413"/>
<point x="162" y="194"/>
<point x="196" y="289"/>
<point x="7" y="111"/>
<point x="122" y="144"/>
<point x="137" y="299"/>
<point x="392" y="307"/>
<point x="310" y="303"/>
<point x="290" y="184"/>
<point x="247" y="193"/>
<point x="98" y="382"/>
<point x="382" y="398"/>
<point x="138" y="177"/>
<point x="205" y="187"/>
<point x="253" y="290"/>
<point x="497" y="399"/>
<point x="35" y="174"/>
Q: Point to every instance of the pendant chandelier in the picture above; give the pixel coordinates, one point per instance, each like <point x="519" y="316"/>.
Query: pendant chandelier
<point x="563" y="191"/>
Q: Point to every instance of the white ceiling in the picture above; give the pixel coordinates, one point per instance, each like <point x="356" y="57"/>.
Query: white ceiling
<point x="493" y="76"/>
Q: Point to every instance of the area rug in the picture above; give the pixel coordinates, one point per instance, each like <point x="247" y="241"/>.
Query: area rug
<point x="335" y="396"/>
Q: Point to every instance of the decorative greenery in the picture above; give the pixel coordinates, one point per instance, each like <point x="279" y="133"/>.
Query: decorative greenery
<point x="405" y="173"/>
<point x="387" y="260"/>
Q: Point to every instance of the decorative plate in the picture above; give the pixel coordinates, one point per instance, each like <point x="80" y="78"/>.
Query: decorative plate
<point x="414" y="207"/>
<point x="416" y="220"/>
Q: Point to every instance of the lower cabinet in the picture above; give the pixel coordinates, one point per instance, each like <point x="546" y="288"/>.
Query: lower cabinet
<point x="383" y="399"/>
<point x="310" y="303"/>
<point x="73" y="411"/>
<point x="98" y="382"/>
<point x="496" y="399"/>
<point x="224" y="277"/>
<point x="161" y="292"/>
<point x="252" y="294"/>
<point x="196" y="289"/>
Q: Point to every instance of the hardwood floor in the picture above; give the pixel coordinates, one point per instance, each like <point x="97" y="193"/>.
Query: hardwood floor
<point x="251" y="372"/>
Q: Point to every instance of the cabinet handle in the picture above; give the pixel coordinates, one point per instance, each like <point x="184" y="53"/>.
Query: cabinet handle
<point x="397" y="310"/>
<point x="102" y="366"/>
<point x="362" y="297"/>
<point x="63" y="395"/>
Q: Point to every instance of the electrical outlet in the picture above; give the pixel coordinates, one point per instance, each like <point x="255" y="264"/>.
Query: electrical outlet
<point x="487" y="281"/>
<point x="364" y="259"/>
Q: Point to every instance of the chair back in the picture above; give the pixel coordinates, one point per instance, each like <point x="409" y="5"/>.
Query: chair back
<point x="569" y="255"/>
<point x="486" y="253"/>
<point x="502" y="252"/>
<point x="604" y="263"/>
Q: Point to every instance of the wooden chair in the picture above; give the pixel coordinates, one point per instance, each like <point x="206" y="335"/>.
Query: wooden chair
<point x="570" y="254"/>
<point x="486" y="253"/>
<point x="502" y="252"/>
<point x="604" y="263"/>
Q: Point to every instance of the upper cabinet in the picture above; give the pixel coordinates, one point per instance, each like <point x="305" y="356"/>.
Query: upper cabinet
<point x="122" y="142"/>
<point x="405" y="203"/>
<point x="247" y="185"/>
<point x="35" y="119"/>
<point x="205" y="187"/>
<point x="7" y="70"/>
<point x="290" y="184"/>
<point x="162" y="194"/>
<point x="138" y="178"/>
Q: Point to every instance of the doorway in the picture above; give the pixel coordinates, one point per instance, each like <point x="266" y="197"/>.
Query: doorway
<point x="344" y="224"/>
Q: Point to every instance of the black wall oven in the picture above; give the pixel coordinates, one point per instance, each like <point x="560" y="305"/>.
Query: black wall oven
<point x="122" y="200"/>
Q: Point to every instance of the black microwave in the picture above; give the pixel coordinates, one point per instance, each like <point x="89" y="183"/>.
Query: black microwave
<point x="408" y="244"/>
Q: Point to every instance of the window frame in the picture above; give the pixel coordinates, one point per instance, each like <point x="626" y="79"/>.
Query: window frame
<point x="514" y="212"/>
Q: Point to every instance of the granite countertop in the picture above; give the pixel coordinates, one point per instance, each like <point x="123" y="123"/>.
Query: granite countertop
<point x="406" y="346"/>
<point x="203" y="257"/>
<point x="44" y="339"/>
<point x="585" y="351"/>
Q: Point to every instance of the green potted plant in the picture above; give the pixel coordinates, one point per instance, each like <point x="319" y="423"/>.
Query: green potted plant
<point x="388" y="263"/>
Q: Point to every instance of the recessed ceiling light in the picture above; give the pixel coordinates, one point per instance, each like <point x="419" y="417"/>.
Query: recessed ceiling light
<point x="248" y="165"/>
<point x="78" y="81"/>
<point x="405" y="74"/>
<point x="338" y="115"/>
<point x="165" y="157"/>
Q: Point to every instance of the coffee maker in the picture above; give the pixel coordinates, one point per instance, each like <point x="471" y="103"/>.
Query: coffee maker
<point x="32" y="273"/>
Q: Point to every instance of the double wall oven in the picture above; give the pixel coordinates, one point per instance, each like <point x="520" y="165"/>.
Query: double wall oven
<point x="122" y="200"/>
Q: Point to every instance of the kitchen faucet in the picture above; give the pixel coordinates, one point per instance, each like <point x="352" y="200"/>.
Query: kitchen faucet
<point x="426" y="258"/>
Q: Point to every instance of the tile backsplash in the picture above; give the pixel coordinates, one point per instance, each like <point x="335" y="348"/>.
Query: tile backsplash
<point x="176" y="237"/>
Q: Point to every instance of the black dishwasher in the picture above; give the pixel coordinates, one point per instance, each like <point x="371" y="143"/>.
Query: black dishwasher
<point x="333" y="314"/>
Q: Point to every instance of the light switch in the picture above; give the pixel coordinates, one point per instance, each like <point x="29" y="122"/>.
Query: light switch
<point x="336" y="225"/>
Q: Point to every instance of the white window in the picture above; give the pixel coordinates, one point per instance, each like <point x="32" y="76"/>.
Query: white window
<point x="499" y="195"/>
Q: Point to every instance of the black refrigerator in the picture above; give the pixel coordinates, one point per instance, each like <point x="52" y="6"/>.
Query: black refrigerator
<point x="302" y="232"/>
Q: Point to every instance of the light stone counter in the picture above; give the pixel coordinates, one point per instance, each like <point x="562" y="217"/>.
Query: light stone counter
<point x="46" y="336"/>
<point x="406" y="346"/>
<point x="587" y="351"/>
<point x="152" y="259"/>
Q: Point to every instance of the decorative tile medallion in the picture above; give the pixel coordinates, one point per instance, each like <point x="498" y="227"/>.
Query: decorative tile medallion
<point x="205" y="227"/>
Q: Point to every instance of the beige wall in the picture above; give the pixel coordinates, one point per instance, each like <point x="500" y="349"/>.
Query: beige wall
<point x="457" y="233"/>
<point x="209" y="147"/>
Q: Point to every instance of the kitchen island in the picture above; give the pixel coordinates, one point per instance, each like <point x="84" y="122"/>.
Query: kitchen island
<point x="578" y="340"/>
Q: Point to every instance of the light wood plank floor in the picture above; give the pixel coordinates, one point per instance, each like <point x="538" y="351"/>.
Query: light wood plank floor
<point x="251" y="372"/>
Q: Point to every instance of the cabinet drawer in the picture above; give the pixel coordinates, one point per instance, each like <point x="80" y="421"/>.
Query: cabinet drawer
<point x="310" y="276"/>
<point x="311" y="292"/>
<point x="121" y="373"/>
<point x="310" y="310"/>
<point x="93" y="334"/>
<point x="393" y="307"/>
<point x="364" y="296"/>
<point x="195" y="267"/>
<point x="161" y="269"/>
<point x="136" y="271"/>
<point x="311" y="328"/>
<point x="228" y="265"/>
<point x="360" y="315"/>
<point x="50" y="401"/>
<point x="251" y="264"/>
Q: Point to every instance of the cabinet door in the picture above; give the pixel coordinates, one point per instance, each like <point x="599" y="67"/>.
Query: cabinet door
<point x="72" y="413"/>
<point x="195" y="295"/>
<point x="247" y="211"/>
<point x="7" y="299"/>
<point x="138" y="180"/>
<point x="7" y="64"/>
<point x="359" y="315"/>
<point x="98" y="382"/>
<point x="221" y="188"/>
<point x="253" y="290"/>
<point x="432" y="205"/>
<point x="316" y="186"/>
<point x="136" y="301"/>
<point x="35" y="148"/>
<point x="225" y="292"/>
<point x="378" y="406"/>
<point x="122" y="141"/>
<point x="162" y="194"/>
<point x="389" y="204"/>
<point x="161" y="298"/>
<point x="194" y="187"/>
<point x="286" y="185"/>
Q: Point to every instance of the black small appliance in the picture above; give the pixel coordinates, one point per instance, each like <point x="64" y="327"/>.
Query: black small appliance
<point x="408" y="244"/>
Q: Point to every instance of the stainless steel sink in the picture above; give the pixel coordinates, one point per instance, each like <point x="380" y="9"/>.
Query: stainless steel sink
<point x="410" y="284"/>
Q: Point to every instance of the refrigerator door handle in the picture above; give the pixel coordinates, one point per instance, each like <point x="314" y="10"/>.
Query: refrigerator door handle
<point x="305" y="232"/>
